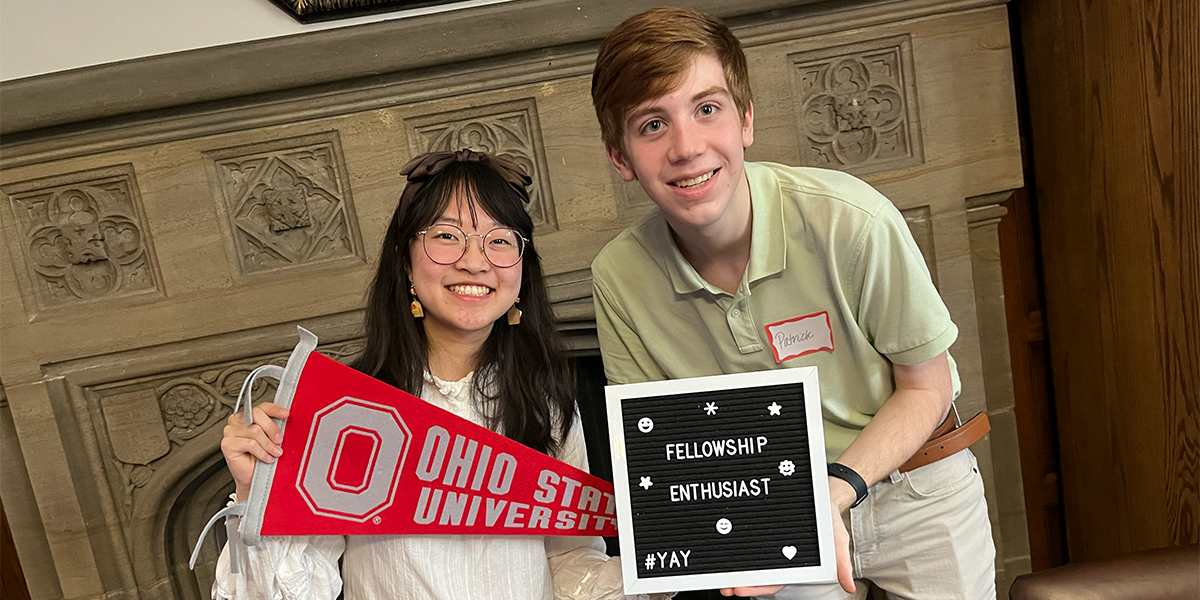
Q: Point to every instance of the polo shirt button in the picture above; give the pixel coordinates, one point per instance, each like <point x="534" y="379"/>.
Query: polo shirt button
<point x="736" y="313"/>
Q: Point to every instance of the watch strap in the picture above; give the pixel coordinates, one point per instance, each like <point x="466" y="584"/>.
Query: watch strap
<point x="851" y="477"/>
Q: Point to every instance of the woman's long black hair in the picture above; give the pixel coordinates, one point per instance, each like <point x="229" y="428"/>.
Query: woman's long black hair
<point x="523" y="382"/>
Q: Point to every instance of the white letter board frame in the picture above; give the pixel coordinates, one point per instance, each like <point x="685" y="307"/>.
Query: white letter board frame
<point x="823" y="572"/>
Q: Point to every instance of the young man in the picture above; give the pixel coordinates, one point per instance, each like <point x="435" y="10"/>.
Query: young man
<point x="736" y="248"/>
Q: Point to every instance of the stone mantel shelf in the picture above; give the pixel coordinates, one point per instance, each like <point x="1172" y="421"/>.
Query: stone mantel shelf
<point x="35" y="106"/>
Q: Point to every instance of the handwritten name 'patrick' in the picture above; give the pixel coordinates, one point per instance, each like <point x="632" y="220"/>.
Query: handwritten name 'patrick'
<point x="784" y="341"/>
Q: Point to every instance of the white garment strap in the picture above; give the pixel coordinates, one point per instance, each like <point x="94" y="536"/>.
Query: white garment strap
<point x="234" y="511"/>
<point x="244" y="520"/>
<point x="248" y="385"/>
<point x="264" y="473"/>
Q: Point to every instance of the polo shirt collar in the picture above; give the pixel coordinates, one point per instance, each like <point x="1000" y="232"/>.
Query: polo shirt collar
<point x="768" y="244"/>
<point x="661" y="243"/>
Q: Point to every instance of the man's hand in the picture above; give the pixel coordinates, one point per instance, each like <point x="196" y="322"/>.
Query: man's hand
<point x="841" y="549"/>
<point x="841" y="496"/>
<point x="921" y="400"/>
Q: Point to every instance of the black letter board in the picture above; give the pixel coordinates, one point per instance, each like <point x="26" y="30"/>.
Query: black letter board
<point x="721" y="481"/>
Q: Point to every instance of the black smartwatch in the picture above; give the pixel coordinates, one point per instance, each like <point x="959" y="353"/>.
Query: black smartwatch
<point x="851" y="477"/>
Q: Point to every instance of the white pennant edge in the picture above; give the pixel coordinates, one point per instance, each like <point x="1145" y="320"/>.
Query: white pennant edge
<point x="264" y="473"/>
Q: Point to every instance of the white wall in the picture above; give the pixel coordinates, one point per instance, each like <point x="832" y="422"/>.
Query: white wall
<point x="44" y="36"/>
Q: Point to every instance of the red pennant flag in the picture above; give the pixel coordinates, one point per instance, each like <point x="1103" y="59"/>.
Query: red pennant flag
<point x="365" y="458"/>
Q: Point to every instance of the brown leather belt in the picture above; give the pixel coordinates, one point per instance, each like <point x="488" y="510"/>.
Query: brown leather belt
<point x="948" y="439"/>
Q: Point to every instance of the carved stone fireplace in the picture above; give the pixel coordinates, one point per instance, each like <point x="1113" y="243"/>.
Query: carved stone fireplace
<point x="165" y="233"/>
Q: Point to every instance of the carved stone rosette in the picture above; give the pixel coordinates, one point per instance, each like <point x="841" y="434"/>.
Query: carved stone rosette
<point x="508" y="129"/>
<point x="147" y="420"/>
<point x="856" y="107"/>
<point x="83" y="237"/>
<point x="286" y="203"/>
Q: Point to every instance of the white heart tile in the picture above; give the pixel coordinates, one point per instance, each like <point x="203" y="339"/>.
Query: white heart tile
<point x="789" y="552"/>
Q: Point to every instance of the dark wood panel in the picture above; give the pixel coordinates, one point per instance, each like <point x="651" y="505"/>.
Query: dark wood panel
<point x="1034" y="408"/>
<point x="1025" y="308"/>
<point x="1183" y="314"/>
<point x="1112" y="98"/>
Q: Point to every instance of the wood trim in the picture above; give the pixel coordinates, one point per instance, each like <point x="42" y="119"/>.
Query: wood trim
<point x="1034" y="404"/>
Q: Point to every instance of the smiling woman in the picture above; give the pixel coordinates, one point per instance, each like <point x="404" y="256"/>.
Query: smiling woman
<point x="436" y="328"/>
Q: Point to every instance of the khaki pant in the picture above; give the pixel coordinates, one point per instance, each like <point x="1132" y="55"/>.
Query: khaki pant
<point x="920" y="535"/>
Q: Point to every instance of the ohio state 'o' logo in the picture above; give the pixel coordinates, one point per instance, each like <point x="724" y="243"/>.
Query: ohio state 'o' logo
<point x="348" y="423"/>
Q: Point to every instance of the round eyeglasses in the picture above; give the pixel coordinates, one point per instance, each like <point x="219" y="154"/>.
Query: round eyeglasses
<point x="446" y="244"/>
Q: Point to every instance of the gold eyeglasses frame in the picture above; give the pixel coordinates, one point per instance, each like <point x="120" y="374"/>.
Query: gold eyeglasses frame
<point x="482" y="244"/>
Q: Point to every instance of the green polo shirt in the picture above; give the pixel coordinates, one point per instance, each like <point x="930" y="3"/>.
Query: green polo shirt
<point x="834" y="281"/>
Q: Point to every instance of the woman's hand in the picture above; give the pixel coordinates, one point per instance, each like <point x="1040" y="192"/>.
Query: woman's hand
<point x="244" y="445"/>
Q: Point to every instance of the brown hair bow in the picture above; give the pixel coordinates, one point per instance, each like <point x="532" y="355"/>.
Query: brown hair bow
<point x="426" y="166"/>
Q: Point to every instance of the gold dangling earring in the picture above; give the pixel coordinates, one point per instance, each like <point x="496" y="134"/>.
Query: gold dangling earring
<point x="415" y="307"/>
<point x="514" y="314"/>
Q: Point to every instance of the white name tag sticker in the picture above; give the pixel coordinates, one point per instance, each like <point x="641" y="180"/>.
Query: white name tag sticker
<point x="800" y="335"/>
